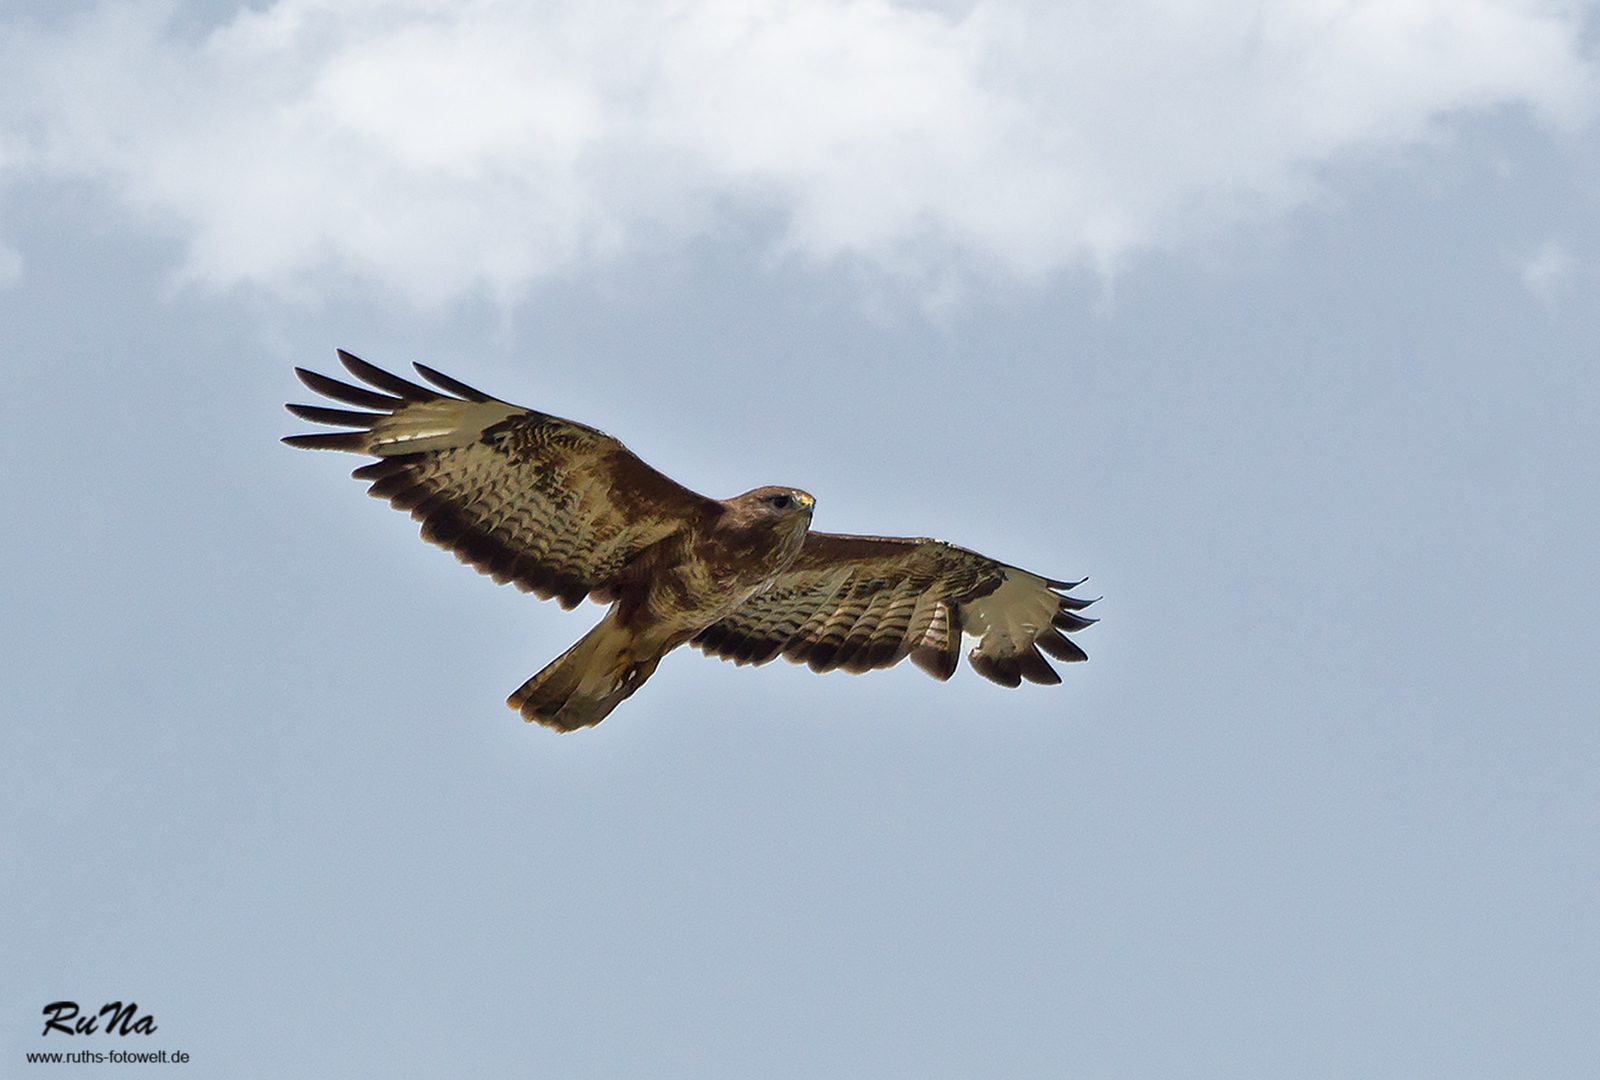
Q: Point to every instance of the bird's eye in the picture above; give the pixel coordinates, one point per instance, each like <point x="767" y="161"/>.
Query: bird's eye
<point x="781" y="502"/>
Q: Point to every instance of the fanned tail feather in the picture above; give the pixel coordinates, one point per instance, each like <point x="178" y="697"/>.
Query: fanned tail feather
<point x="582" y="685"/>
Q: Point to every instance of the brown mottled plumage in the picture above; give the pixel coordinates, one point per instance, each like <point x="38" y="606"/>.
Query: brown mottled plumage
<point x="565" y="511"/>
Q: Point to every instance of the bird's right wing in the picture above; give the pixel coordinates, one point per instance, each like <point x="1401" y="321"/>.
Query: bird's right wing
<point x="554" y="506"/>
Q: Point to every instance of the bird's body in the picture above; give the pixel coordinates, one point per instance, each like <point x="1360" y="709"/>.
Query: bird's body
<point x="666" y="595"/>
<point x="565" y="511"/>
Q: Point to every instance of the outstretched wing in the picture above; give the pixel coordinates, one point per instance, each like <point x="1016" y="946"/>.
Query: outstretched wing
<point x="551" y="505"/>
<point x="863" y="602"/>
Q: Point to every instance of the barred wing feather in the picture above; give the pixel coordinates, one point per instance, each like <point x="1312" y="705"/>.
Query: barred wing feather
<point x="864" y="602"/>
<point x="553" y="506"/>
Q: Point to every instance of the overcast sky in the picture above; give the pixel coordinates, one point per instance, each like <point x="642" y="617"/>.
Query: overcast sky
<point x="1278" y="320"/>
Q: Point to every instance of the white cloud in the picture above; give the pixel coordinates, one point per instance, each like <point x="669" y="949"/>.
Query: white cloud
<point x="436" y="147"/>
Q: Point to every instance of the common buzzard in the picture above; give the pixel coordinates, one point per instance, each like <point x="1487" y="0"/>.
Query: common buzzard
<point x="562" y="510"/>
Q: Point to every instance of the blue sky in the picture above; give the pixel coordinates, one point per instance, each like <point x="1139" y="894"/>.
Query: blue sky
<point x="1276" y="320"/>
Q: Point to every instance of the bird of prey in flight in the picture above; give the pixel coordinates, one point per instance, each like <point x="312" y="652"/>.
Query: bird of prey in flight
<point x="563" y="510"/>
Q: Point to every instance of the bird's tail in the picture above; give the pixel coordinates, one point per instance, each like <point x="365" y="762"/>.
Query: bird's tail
<point x="581" y="686"/>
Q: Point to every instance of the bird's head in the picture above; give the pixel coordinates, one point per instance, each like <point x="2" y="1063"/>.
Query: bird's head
<point x="786" y="509"/>
<point x="780" y="503"/>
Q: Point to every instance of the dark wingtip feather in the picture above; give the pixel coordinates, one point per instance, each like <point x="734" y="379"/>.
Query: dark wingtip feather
<point x="1007" y="671"/>
<point x="384" y="380"/>
<point x="317" y="414"/>
<point x="350" y="395"/>
<point x="1066" y="620"/>
<point x="1061" y="648"/>
<point x="332" y="440"/>
<point x="454" y="386"/>
<point x="1036" y="669"/>
<point x="1071" y="603"/>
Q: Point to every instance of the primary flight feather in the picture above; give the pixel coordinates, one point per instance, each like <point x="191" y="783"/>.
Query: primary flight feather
<point x="565" y="511"/>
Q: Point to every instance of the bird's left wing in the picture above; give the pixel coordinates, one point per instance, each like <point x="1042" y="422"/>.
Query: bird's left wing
<point x="863" y="602"/>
